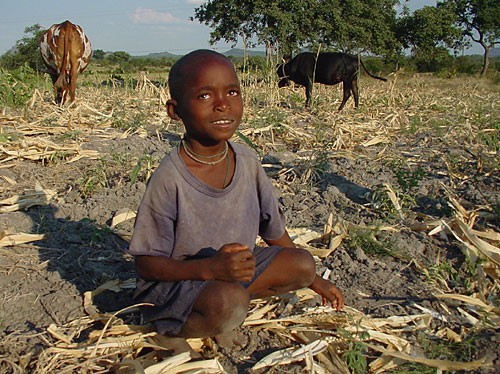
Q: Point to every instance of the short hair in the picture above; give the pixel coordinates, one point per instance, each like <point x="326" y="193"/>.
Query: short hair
<point x="180" y="70"/>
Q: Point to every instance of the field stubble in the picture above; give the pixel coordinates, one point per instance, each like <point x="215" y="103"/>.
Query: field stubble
<point x="398" y="201"/>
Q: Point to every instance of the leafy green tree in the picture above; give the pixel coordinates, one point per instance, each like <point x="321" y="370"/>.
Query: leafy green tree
<point x="284" y="24"/>
<point x="98" y="54"/>
<point x="118" y="57"/>
<point x="429" y="27"/>
<point x="435" y="59"/>
<point x="359" y="25"/>
<point x="289" y="25"/>
<point x="350" y="25"/>
<point x="429" y="32"/>
<point x="480" y="20"/>
<point x="26" y="50"/>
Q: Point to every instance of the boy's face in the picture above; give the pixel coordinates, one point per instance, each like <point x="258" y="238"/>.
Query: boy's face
<point x="210" y="104"/>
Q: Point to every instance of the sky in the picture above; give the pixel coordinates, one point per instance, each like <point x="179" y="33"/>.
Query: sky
<point x="136" y="27"/>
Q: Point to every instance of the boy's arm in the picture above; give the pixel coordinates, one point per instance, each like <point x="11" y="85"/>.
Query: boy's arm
<point x="166" y="269"/>
<point x="233" y="262"/>
<point x="285" y="241"/>
<point x="328" y="292"/>
<point x="323" y="287"/>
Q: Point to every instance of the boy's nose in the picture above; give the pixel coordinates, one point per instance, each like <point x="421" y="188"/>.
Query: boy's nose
<point x="222" y="103"/>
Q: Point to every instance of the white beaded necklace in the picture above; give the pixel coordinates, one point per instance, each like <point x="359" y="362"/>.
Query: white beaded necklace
<point x="195" y="156"/>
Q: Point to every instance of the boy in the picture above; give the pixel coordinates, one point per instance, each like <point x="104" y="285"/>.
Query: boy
<point x="195" y="231"/>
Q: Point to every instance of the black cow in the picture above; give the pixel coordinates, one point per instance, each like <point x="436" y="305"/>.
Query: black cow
<point x="330" y="68"/>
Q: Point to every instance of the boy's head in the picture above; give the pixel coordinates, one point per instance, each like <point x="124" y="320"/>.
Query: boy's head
<point x="186" y="66"/>
<point x="205" y="94"/>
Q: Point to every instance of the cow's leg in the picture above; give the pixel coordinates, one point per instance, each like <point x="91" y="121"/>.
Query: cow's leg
<point x="54" y="77"/>
<point x="58" y="88"/>
<point x="355" y="92"/>
<point x="72" y="81"/>
<point x="347" y="94"/>
<point x="309" y="89"/>
<point x="64" y="91"/>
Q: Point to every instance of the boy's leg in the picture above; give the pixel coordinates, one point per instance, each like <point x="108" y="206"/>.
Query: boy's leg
<point x="220" y="308"/>
<point x="291" y="269"/>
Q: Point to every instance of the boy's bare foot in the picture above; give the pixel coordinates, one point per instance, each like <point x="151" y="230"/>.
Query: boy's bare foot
<point x="175" y="346"/>
<point x="233" y="339"/>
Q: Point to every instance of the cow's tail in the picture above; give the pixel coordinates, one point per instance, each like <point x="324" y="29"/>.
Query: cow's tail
<point x="62" y="79"/>
<point x="370" y="74"/>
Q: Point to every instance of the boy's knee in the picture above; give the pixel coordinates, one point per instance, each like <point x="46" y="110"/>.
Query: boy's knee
<point x="231" y="307"/>
<point x="304" y="267"/>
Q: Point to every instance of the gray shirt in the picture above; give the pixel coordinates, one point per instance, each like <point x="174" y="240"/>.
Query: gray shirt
<point x="179" y="214"/>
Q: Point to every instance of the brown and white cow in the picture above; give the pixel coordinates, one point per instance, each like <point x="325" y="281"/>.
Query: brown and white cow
<point x="66" y="51"/>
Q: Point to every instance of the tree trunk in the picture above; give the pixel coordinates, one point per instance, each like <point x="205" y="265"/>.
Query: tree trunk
<point x="486" y="59"/>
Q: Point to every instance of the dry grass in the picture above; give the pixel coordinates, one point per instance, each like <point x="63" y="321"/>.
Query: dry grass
<point x="459" y="112"/>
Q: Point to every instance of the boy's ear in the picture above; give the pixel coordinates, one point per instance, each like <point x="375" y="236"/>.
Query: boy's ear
<point x="172" y="109"/>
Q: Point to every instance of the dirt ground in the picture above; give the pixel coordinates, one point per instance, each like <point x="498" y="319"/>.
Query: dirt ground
<point x="424" y="146"/>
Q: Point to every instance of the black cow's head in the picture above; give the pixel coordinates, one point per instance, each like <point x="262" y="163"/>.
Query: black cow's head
<point x="281" y="70"/>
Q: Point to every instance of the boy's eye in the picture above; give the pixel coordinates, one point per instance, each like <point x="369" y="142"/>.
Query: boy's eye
<point x="234" y="93"/>
<point x="204" y="96"/>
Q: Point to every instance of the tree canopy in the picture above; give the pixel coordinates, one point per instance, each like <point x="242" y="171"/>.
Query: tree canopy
<point x="429" y="27"/>
<point x="359" y="25"/>
<point x="366" y="26"/>
<point x="348" y="25"/>
<point x="480" y="21"/>
<point x="26" y="50"/>
<point x="355" y="25"/>
<point x="429" y="32"/>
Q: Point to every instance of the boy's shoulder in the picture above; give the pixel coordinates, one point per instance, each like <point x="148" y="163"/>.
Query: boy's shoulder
<point x="243" y="150"/>
<point x="168" y="164"/>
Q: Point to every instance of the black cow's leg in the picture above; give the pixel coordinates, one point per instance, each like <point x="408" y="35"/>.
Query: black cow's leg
<point x="347" y="94"/>
<point x="309" y="88"/>
<point x="355" y="92"/>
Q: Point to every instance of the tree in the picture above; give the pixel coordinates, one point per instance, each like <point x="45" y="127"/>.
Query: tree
<point x="429" y="32"/>
<point x="118" y="57"/>
<point x="350" y="25"/>
<point x="26" y="50"/>
<point x="287" y="24"/>
<point x="98" y="54"/>
<point x="290" y="25"/>
<point x="359" y="25"/>
<point x="480" y="20"/>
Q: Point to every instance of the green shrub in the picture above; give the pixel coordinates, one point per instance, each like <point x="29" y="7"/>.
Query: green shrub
<point x="375" y="65"/>
<point x="433" y="60"/>
<point x="468" y="65"/>
<point x="17" y="86"/>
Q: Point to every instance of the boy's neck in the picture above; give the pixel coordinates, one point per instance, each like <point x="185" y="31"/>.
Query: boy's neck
<point x="212" y="159"/>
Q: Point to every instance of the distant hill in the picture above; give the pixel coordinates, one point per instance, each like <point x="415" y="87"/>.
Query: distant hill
<point x="238" y="52"/>
<point x="495" y="52"/>
<point x="158" y="55"/>
<point x="235" y="52"/>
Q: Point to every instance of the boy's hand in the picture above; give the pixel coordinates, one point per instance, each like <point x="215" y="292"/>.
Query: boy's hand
<point x="234" y="262"/>
<point x="328" y="292"/>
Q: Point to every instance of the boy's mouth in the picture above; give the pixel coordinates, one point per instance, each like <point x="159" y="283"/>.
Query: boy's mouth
<point x="223" y="122"/>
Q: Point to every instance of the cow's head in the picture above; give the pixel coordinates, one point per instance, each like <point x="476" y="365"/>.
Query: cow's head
<point x="281" y="70"/>
<point x="62" y="89"/>
<point x="59" y="96"/>
<point x="62" y="95"/>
